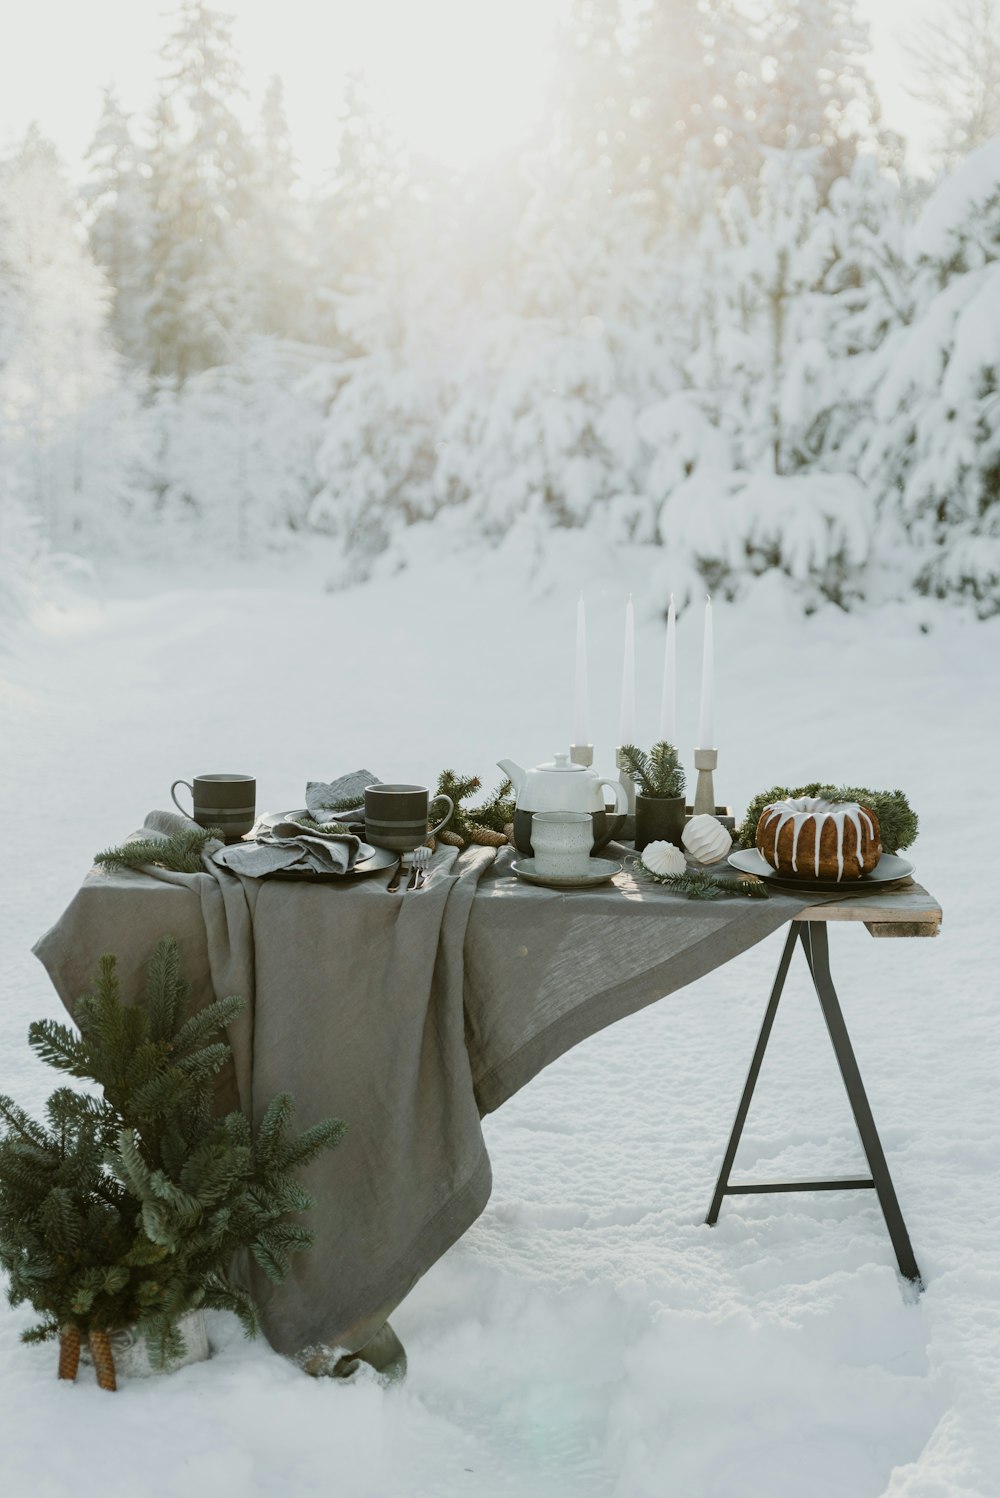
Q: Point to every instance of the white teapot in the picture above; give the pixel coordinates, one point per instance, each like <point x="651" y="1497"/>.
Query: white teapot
<point x="562" y="785"/>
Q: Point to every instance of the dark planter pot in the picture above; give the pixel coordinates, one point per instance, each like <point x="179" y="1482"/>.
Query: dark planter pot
<point x="658" y="819"/>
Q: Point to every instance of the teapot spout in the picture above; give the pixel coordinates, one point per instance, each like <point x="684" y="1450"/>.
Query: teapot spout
<point x="513" y="772"/>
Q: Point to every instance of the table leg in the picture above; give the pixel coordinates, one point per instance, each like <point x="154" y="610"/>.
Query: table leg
<point x="722" y="1184"/>
<point x="815" y="945"/>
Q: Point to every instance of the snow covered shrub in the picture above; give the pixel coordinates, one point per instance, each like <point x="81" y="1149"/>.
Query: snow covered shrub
<point x="379" y="442"/>
<point x="235" y="450"/>
<point x="816" y="529"/>
<point x="935" y="449"/>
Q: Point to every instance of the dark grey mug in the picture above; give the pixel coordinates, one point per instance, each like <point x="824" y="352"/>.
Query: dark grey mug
<point x="396" y="816"/>
<point x="224" y="801"/>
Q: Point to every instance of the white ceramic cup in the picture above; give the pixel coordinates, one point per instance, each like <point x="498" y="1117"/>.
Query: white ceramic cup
<point x="561" y="842"/>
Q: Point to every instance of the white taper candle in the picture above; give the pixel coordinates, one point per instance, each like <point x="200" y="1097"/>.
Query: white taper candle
<point x="668" y="700"/>
<point x="706" y="722"/>
<point x="626" y="724"/>
<point x="580" y="733"/>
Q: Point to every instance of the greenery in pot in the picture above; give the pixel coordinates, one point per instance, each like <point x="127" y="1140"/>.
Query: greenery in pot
<point x="658" y="774"/>
<point x="898" y="822"/>
<point x="128" y="1208"/>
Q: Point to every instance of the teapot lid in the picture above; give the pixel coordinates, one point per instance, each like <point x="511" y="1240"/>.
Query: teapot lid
<point x="561" y="762"/>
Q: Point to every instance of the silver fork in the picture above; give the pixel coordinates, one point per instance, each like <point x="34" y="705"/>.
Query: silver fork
<point x="421" y="863"/>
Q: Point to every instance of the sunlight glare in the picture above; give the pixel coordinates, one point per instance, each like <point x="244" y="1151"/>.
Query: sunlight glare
<point x="461" y="80"/>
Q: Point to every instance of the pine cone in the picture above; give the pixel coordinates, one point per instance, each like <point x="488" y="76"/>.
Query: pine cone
<point x="104" y="1360"/>
<point x="69" y="1352"/>
<point x="508" y="831"/>
<point x="452" y="839"/>
<point x="486" y="837"/>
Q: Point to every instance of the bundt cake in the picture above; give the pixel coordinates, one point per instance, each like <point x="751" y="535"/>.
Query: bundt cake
<point x="809" y="838"/>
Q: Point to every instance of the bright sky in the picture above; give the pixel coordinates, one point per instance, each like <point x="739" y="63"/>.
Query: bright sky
<point x="459" y="76"/>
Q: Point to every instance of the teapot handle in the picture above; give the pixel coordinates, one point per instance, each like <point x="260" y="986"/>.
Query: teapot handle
<point x="619" y="795"/>
<point x="618" y="818"/>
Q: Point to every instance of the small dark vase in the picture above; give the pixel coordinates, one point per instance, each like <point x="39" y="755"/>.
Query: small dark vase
<point x="658" y="818"/>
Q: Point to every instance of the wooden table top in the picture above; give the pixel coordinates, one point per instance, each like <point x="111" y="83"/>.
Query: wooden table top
<point x="905" y="910"/>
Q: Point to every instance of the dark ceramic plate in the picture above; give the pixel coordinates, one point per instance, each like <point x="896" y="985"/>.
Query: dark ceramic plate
<point x="889" y="870"/>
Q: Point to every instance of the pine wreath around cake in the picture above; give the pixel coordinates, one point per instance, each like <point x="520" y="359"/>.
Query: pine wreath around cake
<point x="807" y="837"/>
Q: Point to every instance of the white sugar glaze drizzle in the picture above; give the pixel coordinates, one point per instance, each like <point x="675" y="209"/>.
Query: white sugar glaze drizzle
<point x="800" y="810"/>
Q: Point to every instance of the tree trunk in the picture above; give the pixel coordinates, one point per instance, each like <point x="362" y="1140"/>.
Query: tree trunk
<point x="104" y="1359"/>
<point x="69" y="1352"/>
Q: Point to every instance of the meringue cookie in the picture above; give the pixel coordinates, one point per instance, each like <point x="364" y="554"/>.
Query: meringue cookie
<point x="663" y="858"/>
<point x="706" y="839"/>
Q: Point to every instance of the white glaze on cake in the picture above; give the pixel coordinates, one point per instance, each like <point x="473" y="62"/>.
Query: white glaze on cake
<point x="802" y="809"/>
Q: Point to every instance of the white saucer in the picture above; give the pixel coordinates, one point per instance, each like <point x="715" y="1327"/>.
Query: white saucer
<point x="600" y="871"/>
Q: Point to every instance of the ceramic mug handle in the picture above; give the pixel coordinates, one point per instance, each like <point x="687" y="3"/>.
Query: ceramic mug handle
<point x="188" y="814"/>
<point x="445" y="819"/>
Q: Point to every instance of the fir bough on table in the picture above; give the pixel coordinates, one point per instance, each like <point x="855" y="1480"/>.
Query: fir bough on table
<point x="180" y="851"/>
<point x="701" y="886"/>
<point x="127" y="1209"/>
<point x="485" y="823"/>
<point x="898" y="822"/>
<point x="658" y="774"/>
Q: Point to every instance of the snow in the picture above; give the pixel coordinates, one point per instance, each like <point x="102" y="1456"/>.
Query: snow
<point x="589" y="1335"/>
<point x="955" y="202"/>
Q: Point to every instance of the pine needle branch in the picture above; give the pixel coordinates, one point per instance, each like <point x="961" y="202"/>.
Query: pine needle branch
<point x="181" y="852"/>
<point x="703" y="886"/>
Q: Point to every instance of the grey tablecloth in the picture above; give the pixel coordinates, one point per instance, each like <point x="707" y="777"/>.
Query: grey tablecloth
<point x="409" y="1016"/>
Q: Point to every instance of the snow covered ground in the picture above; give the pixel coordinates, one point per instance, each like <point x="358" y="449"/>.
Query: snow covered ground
<point x="589" y="1335"/>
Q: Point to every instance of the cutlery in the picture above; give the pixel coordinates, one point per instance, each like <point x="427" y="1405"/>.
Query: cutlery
<point x="421" y="863"/>
<point x="393" y="884"/>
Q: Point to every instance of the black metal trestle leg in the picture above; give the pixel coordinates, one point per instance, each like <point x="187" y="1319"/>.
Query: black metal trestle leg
<point x="815" y="945"/>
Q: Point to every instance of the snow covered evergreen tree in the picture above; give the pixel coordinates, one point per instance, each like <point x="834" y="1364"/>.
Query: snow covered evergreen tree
<point x="117" y="198"/>
<point x="934" y="451"/>
<point x="60" y="371"/>
<point x="812" y="90"/>
<point x="201" y="171"/>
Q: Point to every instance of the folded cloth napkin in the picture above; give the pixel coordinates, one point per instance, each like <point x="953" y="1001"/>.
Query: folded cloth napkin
<point x="293" y="846"/>
<point x="343" y="799"/>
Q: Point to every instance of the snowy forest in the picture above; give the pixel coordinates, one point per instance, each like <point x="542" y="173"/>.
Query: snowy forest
<point x="705" y="307"/>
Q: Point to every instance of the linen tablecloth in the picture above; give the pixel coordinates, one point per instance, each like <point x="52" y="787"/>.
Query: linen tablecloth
<point x="409" y="1016"/>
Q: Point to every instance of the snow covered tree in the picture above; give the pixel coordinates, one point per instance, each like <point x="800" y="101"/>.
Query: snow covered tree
<point x="955" y="68"/>
<point x="117" y="198"/>
<point x="544" y="415"/>
<point x="59" y="366"/>
<point x="236" y="451"/>
<point x="934" y="450"/>
<point x="201" y="171"/>
<point x="812" y="90"/>
<point x="273" y="261"/>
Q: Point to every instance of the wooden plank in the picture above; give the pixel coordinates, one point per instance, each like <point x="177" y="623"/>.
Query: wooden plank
<point x="907" y="910"/>
<point x="902" y="928"/>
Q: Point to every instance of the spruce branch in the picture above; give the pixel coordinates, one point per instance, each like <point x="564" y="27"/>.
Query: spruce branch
<point x="658" y="774"/>
<point x="181" y="852"/>
<point x="703" y="886"/>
